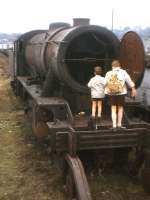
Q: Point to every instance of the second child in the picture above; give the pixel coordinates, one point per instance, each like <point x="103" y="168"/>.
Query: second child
<point x="96" y="84"/>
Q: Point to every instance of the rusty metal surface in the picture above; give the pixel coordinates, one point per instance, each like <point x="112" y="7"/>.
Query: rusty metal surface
<point x="82" y="191"/>
<point x="72" y="143"/>
<point x="58" y="25"/>
<point x="44" y="51"/>
<point x="102" y="139"/>
<point x="39" y="118"/>
<point x="56" y="103"/>
<point x="36" y="48"/>
<point x="132" y="55"/>
<point x="20" y="45"/>
<point x="81" y="21"/>
<point x="35" y="92"/>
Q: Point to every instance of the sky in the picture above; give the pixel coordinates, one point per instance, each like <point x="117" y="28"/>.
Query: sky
<point x="18" y="16"/>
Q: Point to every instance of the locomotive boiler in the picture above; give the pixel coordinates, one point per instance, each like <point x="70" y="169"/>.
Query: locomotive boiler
<point x="51" y="69"/>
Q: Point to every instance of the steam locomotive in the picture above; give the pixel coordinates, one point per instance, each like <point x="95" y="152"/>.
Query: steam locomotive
<point x="50" y="71"/>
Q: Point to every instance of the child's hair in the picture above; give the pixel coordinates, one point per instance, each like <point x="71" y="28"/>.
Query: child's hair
<point x="116" y="61"/>
<point x="98" y="70"/>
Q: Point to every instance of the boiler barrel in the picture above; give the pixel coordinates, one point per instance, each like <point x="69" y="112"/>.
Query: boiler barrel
<point x="69" y="54"/>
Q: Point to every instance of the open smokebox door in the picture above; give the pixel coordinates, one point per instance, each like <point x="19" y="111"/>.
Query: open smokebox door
<point x="132" y="56"/>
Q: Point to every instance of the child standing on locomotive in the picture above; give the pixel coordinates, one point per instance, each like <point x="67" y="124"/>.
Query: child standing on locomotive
<point x="116" y="88"/>
<point x="96" y="84"/>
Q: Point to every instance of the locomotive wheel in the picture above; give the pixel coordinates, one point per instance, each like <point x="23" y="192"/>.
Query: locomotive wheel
<point x="76" y="182"/>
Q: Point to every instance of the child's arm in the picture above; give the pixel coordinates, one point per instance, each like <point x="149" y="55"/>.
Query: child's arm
<point x="106" y="78"/>
<point x="90" y="84"/>
<point x="104" y="81"/>
<point x="128" y="80"/>
<point x="131" y="84"/>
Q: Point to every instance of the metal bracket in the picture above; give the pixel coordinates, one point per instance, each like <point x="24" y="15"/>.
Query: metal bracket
<point x="72" y="142"/>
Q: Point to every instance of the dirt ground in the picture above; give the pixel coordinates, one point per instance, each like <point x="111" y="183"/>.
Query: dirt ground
<point x="26" y="172"/>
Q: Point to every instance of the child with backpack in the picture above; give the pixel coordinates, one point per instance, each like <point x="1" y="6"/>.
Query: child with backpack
<point x="116" y="88"/>
<point x="96" y="84"/>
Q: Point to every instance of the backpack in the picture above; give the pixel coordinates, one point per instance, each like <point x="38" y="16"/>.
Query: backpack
<point x="114" y="84"/>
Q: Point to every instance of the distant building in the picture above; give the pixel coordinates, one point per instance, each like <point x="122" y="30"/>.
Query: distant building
<point x="8" y="45"/>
